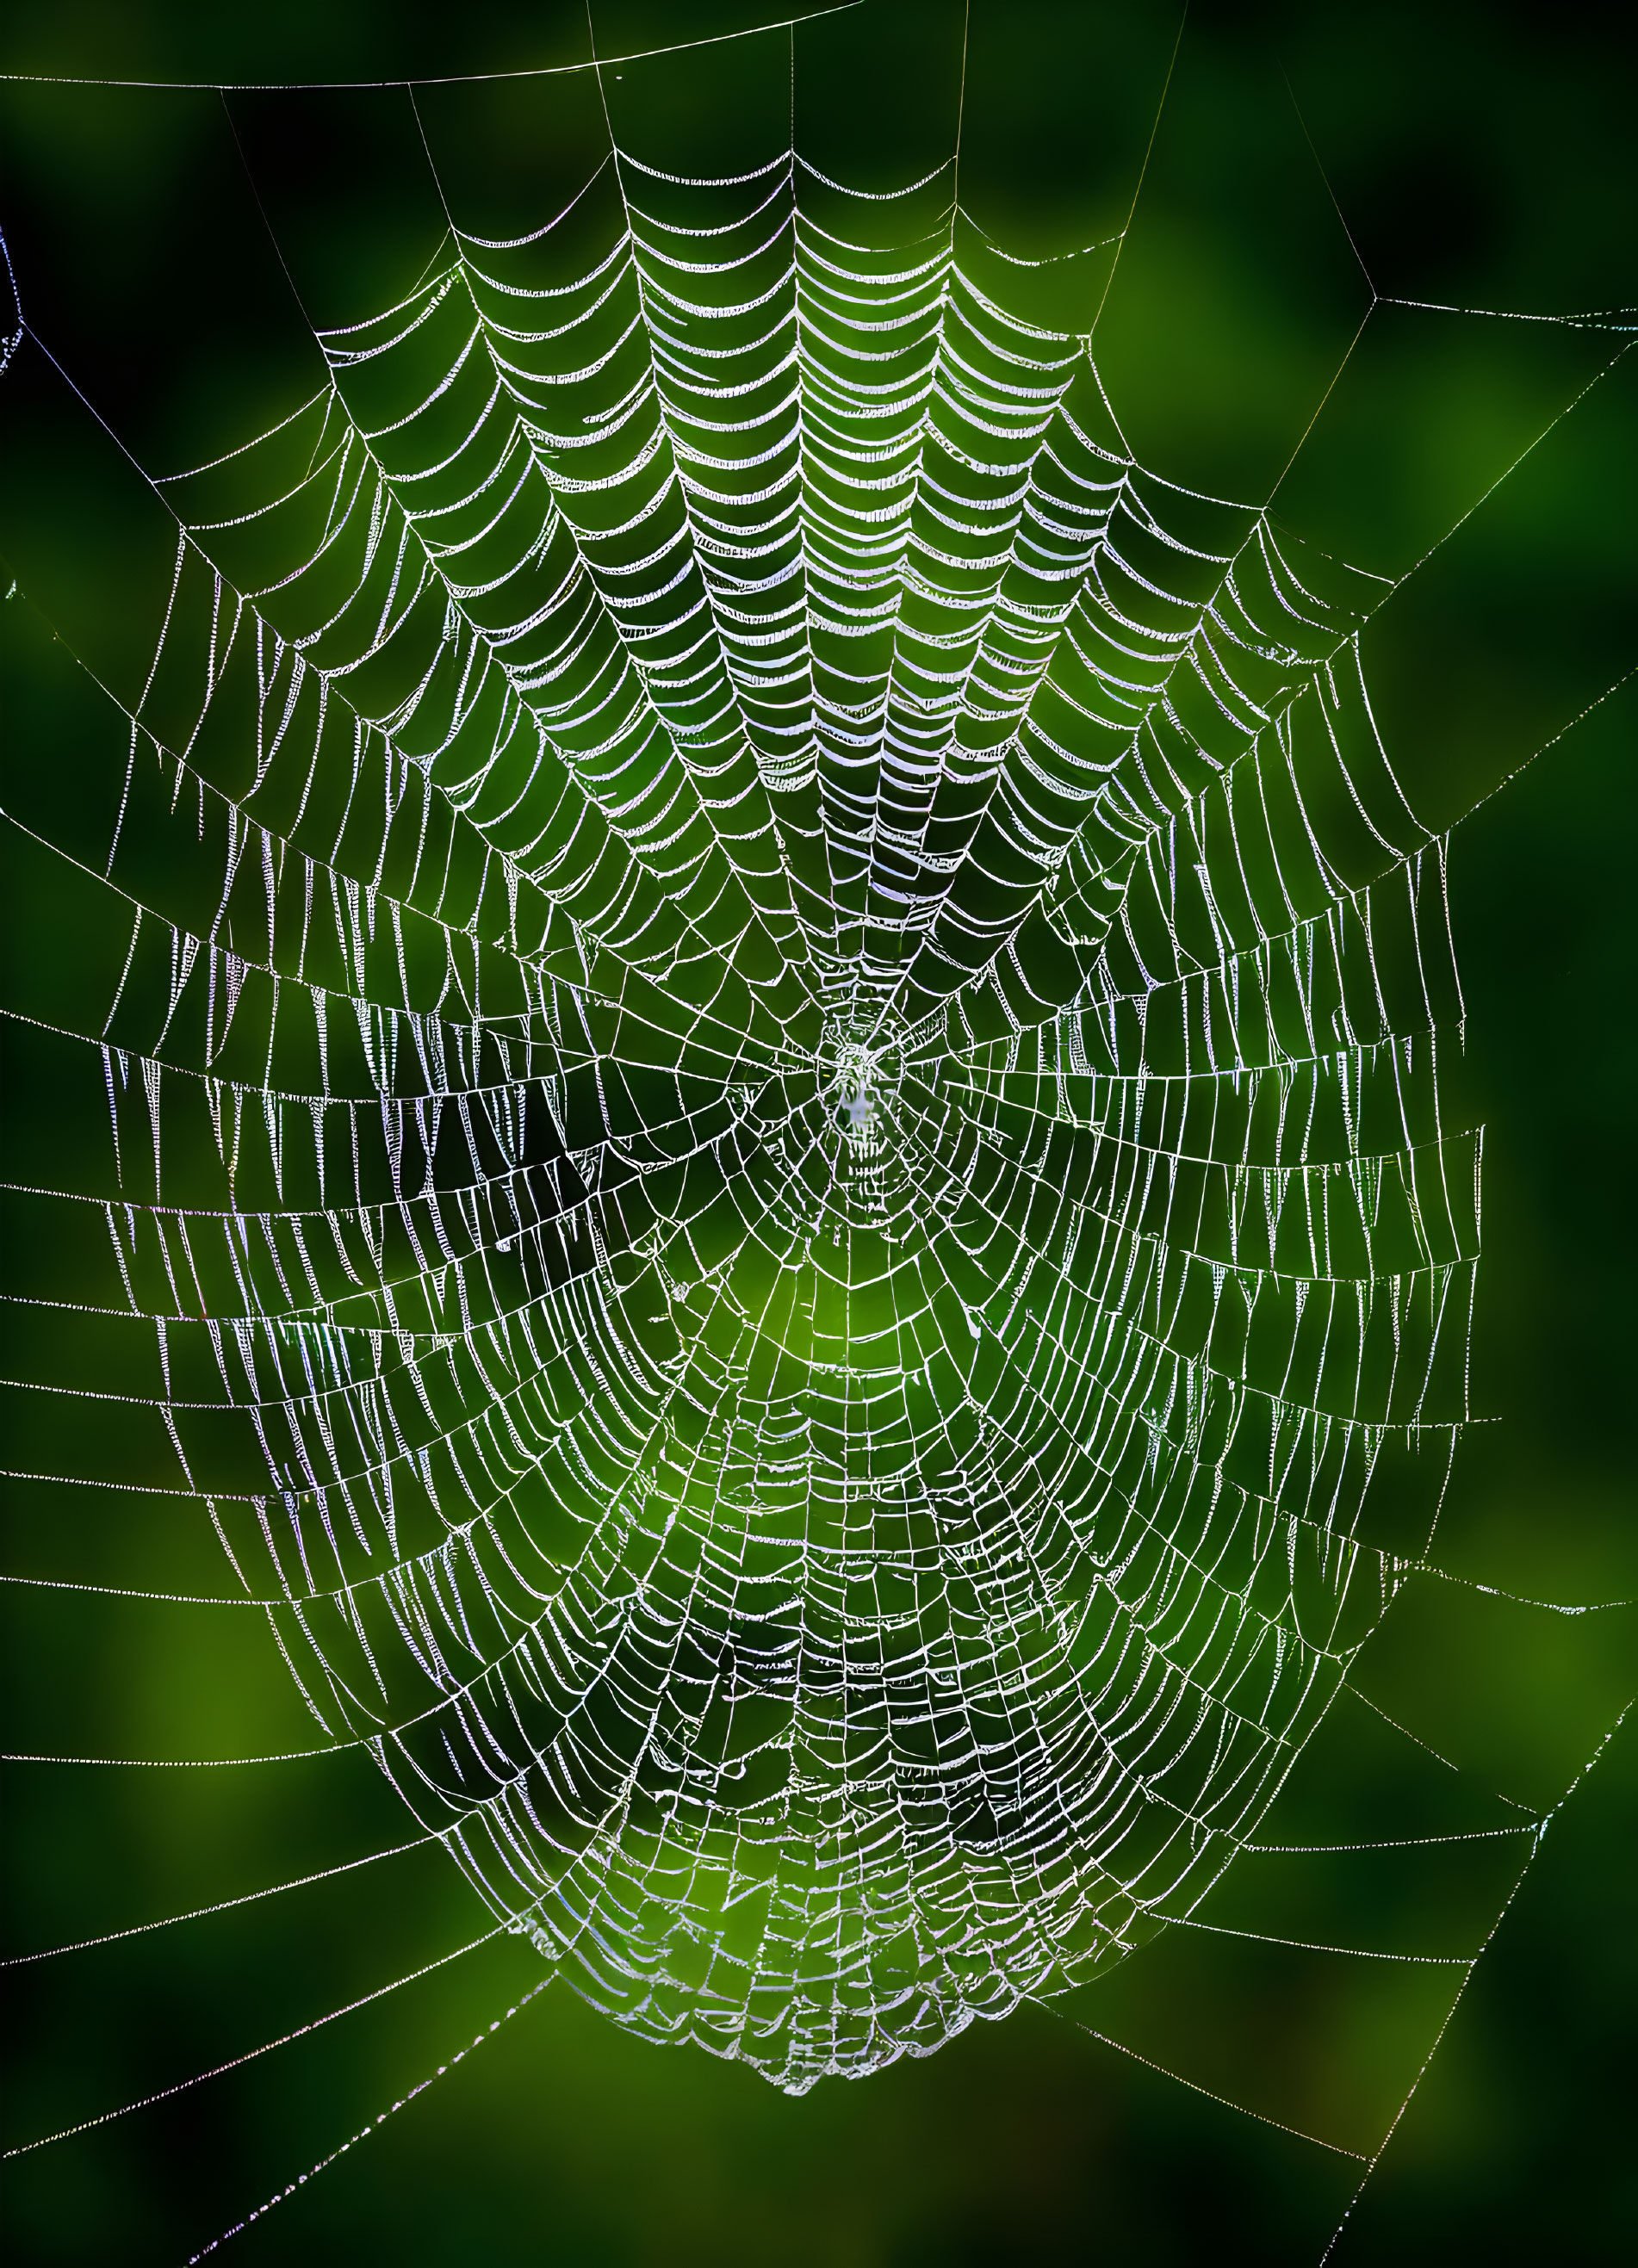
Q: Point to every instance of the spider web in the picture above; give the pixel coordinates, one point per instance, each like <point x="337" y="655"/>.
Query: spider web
<point x="777" y="1094"/>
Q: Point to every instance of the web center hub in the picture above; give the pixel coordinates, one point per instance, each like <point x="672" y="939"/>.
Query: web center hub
<point x="860" y="1064"/>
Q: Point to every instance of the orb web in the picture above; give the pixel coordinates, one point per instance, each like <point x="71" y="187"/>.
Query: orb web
<point x="815" y="1013"/>
<point x="754" y="1050"/>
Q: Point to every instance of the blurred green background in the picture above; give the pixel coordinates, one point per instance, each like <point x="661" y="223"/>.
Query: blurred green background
<point x="1480" y="158"/>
